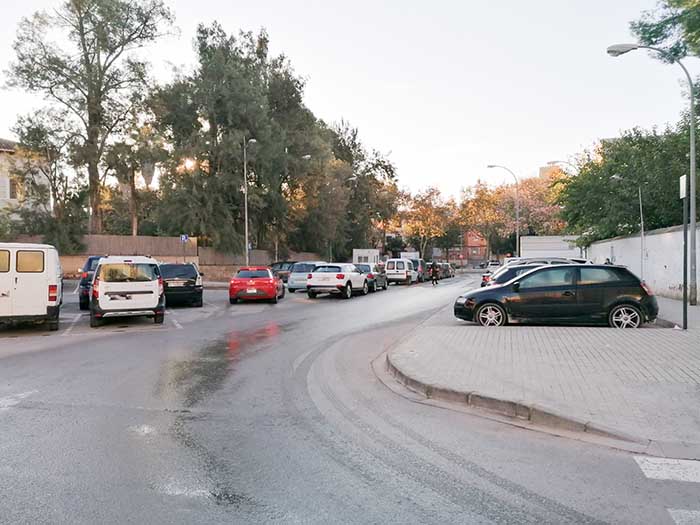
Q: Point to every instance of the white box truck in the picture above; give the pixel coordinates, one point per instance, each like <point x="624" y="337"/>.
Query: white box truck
<point x="365" y="256"/>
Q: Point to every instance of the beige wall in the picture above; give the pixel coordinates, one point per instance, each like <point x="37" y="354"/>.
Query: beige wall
<point x="71" y="263"/>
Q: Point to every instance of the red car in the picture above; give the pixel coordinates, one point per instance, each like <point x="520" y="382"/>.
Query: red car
<point x="255" y="283"/>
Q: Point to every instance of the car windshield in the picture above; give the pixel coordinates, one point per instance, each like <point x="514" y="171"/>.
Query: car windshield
<point x="364" y="267"/>
<point x="253" y="274"/>
<point x="286" y="266"/>
<point x="178" y="271"/>
<point x="327" y="269"/>
<point x="91" y="264"/>
<point x="303" y="268"/>
<point x="415" y="263"/>
<point x="128" y="272"/>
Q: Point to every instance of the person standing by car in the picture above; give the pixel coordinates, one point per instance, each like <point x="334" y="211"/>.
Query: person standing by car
<point x="434" y="273"/>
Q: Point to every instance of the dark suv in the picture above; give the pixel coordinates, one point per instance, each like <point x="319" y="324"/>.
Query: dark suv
<point x="86" y="273"/>
<point x="567" y="293"/>
<point x="182" y="283"/>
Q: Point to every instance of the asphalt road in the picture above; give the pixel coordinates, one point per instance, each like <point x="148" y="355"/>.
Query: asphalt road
<point x="259" y="413"/>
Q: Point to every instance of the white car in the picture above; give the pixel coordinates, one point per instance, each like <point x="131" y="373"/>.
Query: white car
<point x="127" y="287"/>
<point x="31" y="283"/>
<point x="298" y="274"/>
<point x="343" y="279"/>
<point x="401" y="271"/>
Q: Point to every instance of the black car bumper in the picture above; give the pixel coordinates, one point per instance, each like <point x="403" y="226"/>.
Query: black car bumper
<point x="183" y="293"/>
<point x="464" y="311"/>
<point x="651" y="308"/>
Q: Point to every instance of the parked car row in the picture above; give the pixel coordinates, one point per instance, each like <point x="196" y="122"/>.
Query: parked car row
<point x="575" y="293"/>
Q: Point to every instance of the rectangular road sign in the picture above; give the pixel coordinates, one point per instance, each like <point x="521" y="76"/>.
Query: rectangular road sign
<point x="683" y="183"/>
<point x="184" y="238"/>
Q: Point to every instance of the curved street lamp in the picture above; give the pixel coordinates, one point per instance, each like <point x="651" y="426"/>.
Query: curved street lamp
<point x="620" y="49"/>
<point x="565" y="162"/>
<point x="517" y="206"/>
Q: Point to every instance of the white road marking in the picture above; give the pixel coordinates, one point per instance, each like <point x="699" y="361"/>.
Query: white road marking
<point x="10" y="401"/>
<point x="299" y="360"/>
<point x="72" y="325"/>
<point x="685" y="517"/>
<point x="669" y="469"/>
<point x="143" y="430"/>
<point x="173" y="489"/>
<point x="177" y="324"/>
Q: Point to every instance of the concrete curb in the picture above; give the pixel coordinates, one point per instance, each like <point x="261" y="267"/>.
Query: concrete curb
<point x="215" y="285"/>
<point x="519" y="410"/>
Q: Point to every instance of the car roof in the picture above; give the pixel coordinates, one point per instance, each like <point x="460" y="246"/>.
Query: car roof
<point x="27" y="245"/>
<point x="253" y="268"/>
<point x="137" y="259"/>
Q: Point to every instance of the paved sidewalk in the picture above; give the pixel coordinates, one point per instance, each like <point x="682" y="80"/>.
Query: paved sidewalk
<point x="643" y="383"/>
<point x="672" y="310"/>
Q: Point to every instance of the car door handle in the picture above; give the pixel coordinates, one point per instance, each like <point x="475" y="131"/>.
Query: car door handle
<point x="568" y="293"/>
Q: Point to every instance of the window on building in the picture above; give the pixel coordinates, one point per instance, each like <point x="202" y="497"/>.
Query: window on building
<point x="14" y="188"/>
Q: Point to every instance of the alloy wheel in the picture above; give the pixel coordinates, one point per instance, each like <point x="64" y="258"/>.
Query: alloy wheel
<point x="625" y="317"/>
<point x="491" y="315"/>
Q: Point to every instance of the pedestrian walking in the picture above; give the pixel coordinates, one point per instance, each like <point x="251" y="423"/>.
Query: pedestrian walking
<point x="434" y="273"/>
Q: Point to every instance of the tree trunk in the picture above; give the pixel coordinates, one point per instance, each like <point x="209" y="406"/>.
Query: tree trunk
<point x="133" y="204"/>
<point x="95" y="223"/>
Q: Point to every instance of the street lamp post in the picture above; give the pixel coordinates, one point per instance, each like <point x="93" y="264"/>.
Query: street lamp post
<point x="245" y="195"/>
<point x="557" y="162"/>
<point x="620" y="49"/>
<point x="517" y="207"/>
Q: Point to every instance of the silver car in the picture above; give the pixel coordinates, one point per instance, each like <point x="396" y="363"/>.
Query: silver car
<point x="299" y="274"/>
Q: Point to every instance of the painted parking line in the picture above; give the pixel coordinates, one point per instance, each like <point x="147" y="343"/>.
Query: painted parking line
<point x="669" y="469"/>
<point x="72" y="325"/>
<point x="177" y="324"/>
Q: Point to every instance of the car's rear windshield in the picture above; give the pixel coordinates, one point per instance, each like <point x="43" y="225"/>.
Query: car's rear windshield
<point x="364" y="267"/>
<point x="303" y="268"/>
<point x="91" y="264"/>
<point x="128" y="272"/>
<point x="415" y="263"/>
<point x="287" y="266"/>
<point x="390" y="265"/>
<point x="253" y="274"/>
<point x="327" y="269"/>
<point x="174" y="271"/>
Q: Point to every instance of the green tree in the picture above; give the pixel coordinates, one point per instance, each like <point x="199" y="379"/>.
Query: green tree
<point x="91" y="70"/>
<point x="673" y="25"/>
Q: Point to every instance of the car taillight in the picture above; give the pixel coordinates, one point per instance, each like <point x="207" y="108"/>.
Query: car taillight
<point x="84" y="275"/>
<point x="160" y="286"/>
<point x="340" y="276"/>
<point x="646" y="288"/>
<point x="309" y="276"/>
<point x="53" y="292"/>
<point x="96" y="288"/>
<point x="370" y="276"/>
<point x="485" y="278"/>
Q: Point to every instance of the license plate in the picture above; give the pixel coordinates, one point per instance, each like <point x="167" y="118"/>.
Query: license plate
<point x="121" y="297"/>
<point x="251" y="290"/>
<point x="325" y="278"/>
<point x="176" y="283"/>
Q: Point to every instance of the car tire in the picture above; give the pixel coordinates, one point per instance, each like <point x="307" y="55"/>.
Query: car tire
<point x="275" y="299"/>
<point x="347" y="291"/>
<point x="199" y="302"/>
<point x="53" y="325"/>
<point x="158" y="318"/>
<point x="232" y="300"/>
<point x="373" y="287"/>
<point x="386" y="285"/>
<point x="95" y="322"/>
<point x="365" y="288"/>
<point x="312" y="295"/>
<point x="625" y="316"/>
<point x="490" y="314"/>
<point x="84" y="305"/>
<point x="284" y="292"/>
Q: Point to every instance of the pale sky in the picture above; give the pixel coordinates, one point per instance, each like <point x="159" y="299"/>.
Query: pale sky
<point x="444" y="87"/>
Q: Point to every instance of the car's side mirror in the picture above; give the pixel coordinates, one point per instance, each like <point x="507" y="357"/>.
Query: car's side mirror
<point x="516" y="287"/>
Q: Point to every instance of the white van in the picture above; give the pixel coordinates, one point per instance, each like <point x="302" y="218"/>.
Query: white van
<point x="127" y="287"/>
<point x="401" y="271"/>
<point x="31" y="283"/>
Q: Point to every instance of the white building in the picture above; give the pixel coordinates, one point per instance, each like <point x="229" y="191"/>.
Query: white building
<point x="549" y="246"/>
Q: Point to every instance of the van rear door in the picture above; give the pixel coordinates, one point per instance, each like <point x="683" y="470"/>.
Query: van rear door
<point x="6" y="283"/>
<point x="128" y="286"/>
<point x="31" y="291"/>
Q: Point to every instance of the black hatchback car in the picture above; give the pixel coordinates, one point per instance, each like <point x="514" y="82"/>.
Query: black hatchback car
<point x="86" y="273"/>
<point x="182" y="283"/>
<point x="567" y="293"/>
